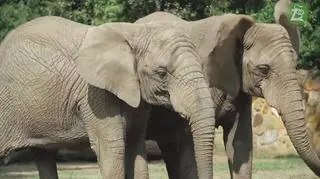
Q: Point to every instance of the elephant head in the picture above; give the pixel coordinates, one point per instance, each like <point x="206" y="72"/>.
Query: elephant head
<point x="260" y="59"/>
<point x="158" y="65"/>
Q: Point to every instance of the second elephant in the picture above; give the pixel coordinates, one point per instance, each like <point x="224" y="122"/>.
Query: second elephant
<point x="241" y="58"/>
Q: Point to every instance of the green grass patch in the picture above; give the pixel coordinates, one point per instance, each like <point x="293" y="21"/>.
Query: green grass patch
<point x="158" y="170"/>
<point x="267" y="164"/>
<point x="277" y="164"/>
<point x="221" y="167"/>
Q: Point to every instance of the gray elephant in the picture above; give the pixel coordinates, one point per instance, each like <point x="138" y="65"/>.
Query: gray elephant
<point x="241" y="59"/>
<point x="65" y="84"/>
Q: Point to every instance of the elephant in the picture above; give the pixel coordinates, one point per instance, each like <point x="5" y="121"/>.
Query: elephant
<point x="240" y="58"/>
<point x="69" y="85"/>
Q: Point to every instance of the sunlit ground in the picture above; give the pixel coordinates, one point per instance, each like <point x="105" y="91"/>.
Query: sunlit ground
<point x="281" y="168"/>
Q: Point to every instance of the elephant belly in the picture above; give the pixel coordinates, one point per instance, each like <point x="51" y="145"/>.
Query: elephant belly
<point x="69" y="138"/>
<point x="58" y="134"/>
<point x="41" y="122"/>
<point x="52" y="137"/>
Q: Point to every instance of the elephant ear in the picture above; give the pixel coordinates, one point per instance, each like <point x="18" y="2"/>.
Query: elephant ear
<point x="223" y="71"/>
<point x="106" y="60"/>
<point x="282" y="17"/>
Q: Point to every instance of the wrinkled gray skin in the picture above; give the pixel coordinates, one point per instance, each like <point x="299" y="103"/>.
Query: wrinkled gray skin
<point x="241" y="59"/>
<point x="64" y="84"/>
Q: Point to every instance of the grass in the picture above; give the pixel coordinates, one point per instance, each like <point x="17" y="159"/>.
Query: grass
<point x="286" y="167"/>
<point x="268" y="164"/>
<point x="277" y="164"/>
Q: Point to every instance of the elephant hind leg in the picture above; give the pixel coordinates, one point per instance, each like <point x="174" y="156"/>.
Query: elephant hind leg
<point x="46" y="163"/>
<point x="237" y="138"/>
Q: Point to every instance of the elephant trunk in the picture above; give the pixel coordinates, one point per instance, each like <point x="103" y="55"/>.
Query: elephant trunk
<point x="296" y="128"/>
<point x="292" y="110"/>
<point x="202" y="128"/>
<point x="197" y="106"/>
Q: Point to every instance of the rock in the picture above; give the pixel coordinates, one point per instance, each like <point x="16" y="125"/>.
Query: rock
<point x="311" y="89"/>
<point x="269" y="137"/>
<point x="257" y="120"/>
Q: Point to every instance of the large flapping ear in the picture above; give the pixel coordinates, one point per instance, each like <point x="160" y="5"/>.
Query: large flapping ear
<point x="222" y="69"/>
<point x="282" y="17"/>
<point x="106" y="60"/>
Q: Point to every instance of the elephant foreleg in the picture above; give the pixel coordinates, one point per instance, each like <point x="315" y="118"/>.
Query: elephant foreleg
<point x="188" y="165"/>
<point x="109" y="146"/>
<point x="177" y="150"/>
<point x="173" y="136"/>
<point x="238" y="143"/>
<point x="46" y="163"/>
<point x="170" y="154"/>
<point x="180" y="158"/>
<point x="105" y="124"/>
<point x="136" y="154"/>
<point x="136" y="162"/>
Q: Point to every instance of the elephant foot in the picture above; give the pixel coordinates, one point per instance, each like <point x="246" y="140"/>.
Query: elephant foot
<point x="46" y="163"/>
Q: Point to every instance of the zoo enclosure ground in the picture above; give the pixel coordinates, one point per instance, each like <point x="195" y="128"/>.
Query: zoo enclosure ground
<point x="276" y="168"/>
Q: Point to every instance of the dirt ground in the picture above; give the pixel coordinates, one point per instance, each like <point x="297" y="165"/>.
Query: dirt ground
<point x="281" y="168"/>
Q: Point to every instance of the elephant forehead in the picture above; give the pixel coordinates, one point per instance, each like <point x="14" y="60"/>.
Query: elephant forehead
<point x="168" y="40"/>
<point x="168" y="34"/>
<point x="266" y="33"/>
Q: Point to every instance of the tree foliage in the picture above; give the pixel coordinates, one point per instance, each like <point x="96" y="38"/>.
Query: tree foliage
<point x="16" y="12"/>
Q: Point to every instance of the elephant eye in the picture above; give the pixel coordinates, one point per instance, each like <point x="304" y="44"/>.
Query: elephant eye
<point x="162" y="72"/>
<point x="264" y="69"/>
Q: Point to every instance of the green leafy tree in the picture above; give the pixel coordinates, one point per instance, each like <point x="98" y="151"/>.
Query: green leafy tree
<point x="95" y="12"/>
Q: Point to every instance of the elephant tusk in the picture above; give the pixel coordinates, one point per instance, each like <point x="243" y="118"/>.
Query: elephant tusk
<point x="275" y="112"/>
<point x="183" y="116"/>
